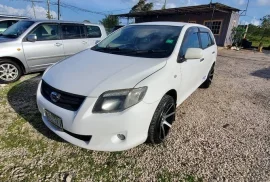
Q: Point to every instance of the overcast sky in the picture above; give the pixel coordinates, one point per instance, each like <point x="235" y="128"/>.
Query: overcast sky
<point x="256" y="10"/>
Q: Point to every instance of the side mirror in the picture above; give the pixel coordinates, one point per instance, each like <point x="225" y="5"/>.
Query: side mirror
<point x="97" y="41"/>
<point x="194" y="53"/>
<point x="32" y="38"/>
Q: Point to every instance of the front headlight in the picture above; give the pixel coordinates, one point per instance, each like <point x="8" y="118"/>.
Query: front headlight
<point x="119" y="100"/>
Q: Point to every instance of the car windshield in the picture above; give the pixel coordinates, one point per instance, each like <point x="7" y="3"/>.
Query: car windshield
<point x="17" y="29"/>
<point x="151" y="41"/>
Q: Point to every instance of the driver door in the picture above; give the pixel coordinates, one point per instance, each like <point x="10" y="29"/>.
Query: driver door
<point x="46" y="50"/>
<point x="191" y="69"/>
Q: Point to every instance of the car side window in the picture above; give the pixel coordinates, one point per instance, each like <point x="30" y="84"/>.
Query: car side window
<point x="46" y="32"/>
<point x="5" y="24"/>
<point x="205" y="40"/>
<point x="191" y="40"/>
<point x="72" y="31"/>
<point x="93" y="31"/>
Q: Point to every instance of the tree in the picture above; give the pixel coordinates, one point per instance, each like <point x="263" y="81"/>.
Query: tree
<point x="142" y="5"/>
<point x="237" y="35"/>
<point x="48" y="14"/>
<point x="110" y="21"/>
<point x="164" y="5"/>
<point x="265" y="25"/>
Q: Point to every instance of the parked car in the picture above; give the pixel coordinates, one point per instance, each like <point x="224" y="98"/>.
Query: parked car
<point x="33" y="45"/>
<point x="7" y="20"/>
<point x="125" y="90"/>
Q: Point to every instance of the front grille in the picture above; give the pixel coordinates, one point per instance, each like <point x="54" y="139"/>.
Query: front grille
<point x="85" y="138"/>
<point x="67" y="101"/>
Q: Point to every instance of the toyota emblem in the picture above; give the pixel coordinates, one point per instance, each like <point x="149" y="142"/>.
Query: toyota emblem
<point x="55" y="96"/>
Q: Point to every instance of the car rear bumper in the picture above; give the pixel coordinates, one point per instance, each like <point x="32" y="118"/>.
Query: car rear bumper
<point x="101" y="128"/>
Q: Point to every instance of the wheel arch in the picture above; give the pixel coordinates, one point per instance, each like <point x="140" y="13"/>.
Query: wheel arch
<point x="16" y="60"/>
<point x="173" y="94"/>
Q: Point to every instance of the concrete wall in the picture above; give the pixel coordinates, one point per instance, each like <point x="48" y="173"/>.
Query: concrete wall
<point x="200" y="18"/>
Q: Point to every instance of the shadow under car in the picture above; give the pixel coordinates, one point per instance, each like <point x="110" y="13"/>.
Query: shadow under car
<point x="22" y="98"/>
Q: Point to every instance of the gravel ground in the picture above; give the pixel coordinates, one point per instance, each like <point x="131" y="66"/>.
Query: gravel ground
<point x="220" y="134"/>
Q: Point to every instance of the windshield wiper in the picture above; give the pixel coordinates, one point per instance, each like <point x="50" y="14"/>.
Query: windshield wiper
<point x="10" y="36"/>
<point x="150" y="51"/>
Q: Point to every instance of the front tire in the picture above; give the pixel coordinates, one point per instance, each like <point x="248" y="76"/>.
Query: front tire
<point x="162" y="120"/>
<point x="10" y="71"/>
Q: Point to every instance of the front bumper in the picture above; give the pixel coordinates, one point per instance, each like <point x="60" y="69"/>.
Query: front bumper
<point x="103" y="128"/>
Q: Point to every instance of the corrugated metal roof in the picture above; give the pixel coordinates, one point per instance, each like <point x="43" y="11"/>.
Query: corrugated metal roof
<point x="183" y="10"/>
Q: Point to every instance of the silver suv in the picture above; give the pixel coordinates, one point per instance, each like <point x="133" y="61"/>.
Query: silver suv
<point x="33" y="45"/>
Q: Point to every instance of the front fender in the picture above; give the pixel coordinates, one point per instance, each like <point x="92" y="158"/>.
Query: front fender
<point x="158" y="85"/>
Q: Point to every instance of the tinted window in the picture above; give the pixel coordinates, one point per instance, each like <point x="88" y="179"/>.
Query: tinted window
<point x="191" y="40"/>
<point x="72" y="31"/>
<point x="46" y="32"/>
<point x="205" y="40"/>
<point x="3" y="26"/>
<point x="17" y="29"/>
<point x="93" y="31"/>
<point x="152" y="41"/>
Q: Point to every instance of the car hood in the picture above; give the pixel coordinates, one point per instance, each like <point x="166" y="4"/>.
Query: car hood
<point x="90" y="73"/>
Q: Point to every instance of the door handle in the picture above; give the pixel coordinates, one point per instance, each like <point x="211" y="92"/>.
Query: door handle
<point x="57" y="44"/>
<point x="84" y="42"/>
<point x="201" y="59"/>
<point x="213" y="52"/>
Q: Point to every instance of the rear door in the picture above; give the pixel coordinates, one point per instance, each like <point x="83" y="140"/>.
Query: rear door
<point x="47" y="49"/>
<point x="191" y="69"/>
<point x="209" y="49"/>
<point x="93" y="34"/>
<point x="74" y="38"/>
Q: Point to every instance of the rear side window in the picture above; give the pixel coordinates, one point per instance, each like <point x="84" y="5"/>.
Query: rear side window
<point x="72" y="31"/>
<point x="46" y="32"/>
<point x="93" y="31"/>
<point x="205" y="40"/>
<point x="191" y="40"/>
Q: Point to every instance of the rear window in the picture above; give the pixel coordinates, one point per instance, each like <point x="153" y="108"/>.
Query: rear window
<point x="93" y="31"/>
<point x="72" y="31"/>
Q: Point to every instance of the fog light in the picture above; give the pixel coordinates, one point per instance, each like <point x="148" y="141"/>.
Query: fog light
<point x="121" y="136"/>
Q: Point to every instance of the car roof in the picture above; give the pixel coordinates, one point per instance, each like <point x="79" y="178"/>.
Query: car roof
<point x="60" y="21"/>
<point x="169" y="23"/>
<point x="163" y="23"/>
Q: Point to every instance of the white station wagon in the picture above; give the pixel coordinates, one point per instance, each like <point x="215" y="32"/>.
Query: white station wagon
<point x="125" y="90"/>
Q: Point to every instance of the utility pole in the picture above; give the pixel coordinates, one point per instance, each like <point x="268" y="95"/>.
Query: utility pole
<point x="58" y="9"/>
<point x="33" y="7"/>
<point x="49" y="13"/>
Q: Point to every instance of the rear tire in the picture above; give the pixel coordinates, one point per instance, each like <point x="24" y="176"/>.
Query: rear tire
<point x="10" y="71"/>
<point x="162" y="120"/>
<point x="209" y="79"/>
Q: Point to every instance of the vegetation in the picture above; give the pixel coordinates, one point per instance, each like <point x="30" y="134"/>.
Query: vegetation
<point x="260" y="34"/>
<point x="237" y="35"/>
<point x="110" y="21"/>
<point x="142" y="5"/>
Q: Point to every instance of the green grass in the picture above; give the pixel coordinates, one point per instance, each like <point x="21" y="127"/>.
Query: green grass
<point x="256" y="40"/>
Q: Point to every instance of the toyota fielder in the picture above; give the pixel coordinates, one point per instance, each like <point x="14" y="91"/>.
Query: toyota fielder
<point x="125" y="90"/>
